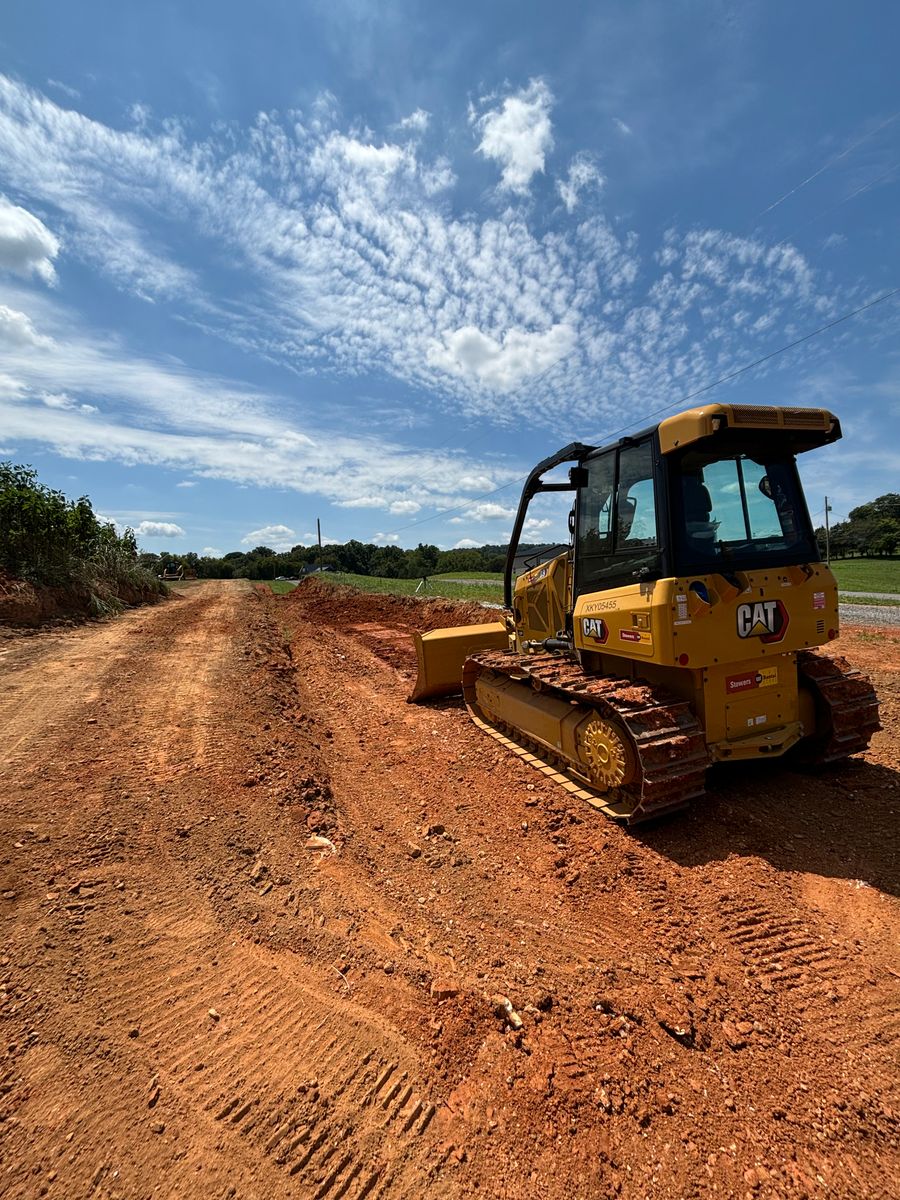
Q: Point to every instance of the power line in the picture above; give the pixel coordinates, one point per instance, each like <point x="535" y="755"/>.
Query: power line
<point x="674" y="403"/>
<point x="830" y="163"/>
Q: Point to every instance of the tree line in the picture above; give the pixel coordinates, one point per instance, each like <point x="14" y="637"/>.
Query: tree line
<point x="352" y="557"/>
<point x="871" y="530"/>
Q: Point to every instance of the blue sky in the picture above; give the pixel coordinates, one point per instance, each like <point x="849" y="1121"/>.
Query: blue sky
<point x="368" y="262"/>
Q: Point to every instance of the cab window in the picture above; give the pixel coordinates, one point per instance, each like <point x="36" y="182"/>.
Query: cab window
<point x="617" y="526"/>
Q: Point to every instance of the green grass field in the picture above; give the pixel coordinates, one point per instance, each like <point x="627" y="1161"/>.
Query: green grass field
<point x="490" y="593"/>
<point x="281" y="587"/>
<point x="491" y="576"/>
<point x="867" y="574"/>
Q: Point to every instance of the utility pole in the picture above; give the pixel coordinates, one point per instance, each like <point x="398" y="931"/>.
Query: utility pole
<point x="827" y="546"/>
<point x="319" y="535"/>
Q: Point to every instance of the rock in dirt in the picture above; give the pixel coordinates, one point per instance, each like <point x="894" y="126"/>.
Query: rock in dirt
<point x="317" y="842"/>
<point x="503" y="1008"/>
<point x="443" y="989"/>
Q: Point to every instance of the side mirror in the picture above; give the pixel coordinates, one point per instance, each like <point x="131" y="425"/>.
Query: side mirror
<point x="571" y="522"/>
<point x="578" y="477"/>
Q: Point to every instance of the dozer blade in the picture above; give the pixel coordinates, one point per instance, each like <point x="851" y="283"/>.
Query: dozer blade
<point x="442" y="652"/>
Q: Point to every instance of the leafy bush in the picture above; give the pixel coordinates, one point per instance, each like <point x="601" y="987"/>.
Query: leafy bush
<point x="53" y="542"/>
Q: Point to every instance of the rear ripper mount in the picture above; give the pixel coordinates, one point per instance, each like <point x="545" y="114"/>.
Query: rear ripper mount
<point x="631" y="749"/>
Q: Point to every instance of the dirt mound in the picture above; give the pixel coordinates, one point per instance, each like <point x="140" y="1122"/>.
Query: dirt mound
<point x="385" y="623"/>
<point x="21" y="603"/>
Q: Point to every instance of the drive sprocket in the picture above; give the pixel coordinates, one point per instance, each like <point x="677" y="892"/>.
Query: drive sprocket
<point x="607" y="754"/>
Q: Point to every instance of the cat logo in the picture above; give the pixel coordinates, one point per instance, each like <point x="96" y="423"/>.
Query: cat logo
<point x="594" y="628"/>
<point x="765" y="619"/>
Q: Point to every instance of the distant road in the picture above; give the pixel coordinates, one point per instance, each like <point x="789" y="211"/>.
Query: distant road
<point x="872" y="595"/>
<point x="870" y="614"/>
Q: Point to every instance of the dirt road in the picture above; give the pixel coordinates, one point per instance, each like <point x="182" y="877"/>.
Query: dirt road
<point x="256" y="909"/>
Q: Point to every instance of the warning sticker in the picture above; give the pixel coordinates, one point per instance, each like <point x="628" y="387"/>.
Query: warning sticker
<point x="818" y="599"/>
<point x="750" y="680"/>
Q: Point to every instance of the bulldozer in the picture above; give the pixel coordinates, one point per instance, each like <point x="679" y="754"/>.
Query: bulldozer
<point x="680" y="625"/>
<point x="172" y="572"/>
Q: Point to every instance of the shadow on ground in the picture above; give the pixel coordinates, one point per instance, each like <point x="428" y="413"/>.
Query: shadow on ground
<point x="840" y="822"/>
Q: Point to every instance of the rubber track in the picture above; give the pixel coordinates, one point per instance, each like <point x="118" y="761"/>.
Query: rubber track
<point x="665" y="734"/>
<point x="846" y="699"/>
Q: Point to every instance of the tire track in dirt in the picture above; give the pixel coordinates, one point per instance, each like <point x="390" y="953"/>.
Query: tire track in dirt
<point x="170" y="1046"/>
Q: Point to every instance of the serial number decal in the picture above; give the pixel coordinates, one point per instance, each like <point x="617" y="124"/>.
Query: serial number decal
<point x="765" y="619"/>
<point x="601" y="605"/>
<point x="594" y="628"/>
<point x="750" y="680"/>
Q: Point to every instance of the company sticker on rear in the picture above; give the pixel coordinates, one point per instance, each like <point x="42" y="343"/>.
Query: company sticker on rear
<point x="751" y="680"/>
<point x="634" y="635"/>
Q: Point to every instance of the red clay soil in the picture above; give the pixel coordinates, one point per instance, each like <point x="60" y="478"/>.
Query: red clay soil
<point x="270" y="931"/>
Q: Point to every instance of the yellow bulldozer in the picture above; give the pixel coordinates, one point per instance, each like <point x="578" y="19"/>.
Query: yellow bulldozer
<point x="678" y="627"/>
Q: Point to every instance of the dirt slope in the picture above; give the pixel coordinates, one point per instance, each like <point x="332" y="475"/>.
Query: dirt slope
<point x="194" y="1003"/>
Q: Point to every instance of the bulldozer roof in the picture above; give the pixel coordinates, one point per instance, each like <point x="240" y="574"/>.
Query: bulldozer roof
<point x="807" y="427"/>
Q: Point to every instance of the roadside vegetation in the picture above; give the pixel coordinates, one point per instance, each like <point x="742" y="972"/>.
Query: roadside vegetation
<point x="58" y="558"/>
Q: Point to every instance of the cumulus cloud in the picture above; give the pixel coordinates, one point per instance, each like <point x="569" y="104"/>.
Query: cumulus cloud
<point x="27" y="247"/>
<point x="416" y="122"/>
<point x="61" y="400"/>
<point x="277" y="537"/>
<point x="187" y="483"/>
<point x="17" y="330"/>
<point x="404" y="507"/>
<point x="211" y="552"/>
<point x="502" y="364"/>
<point x="158" y="529"/>
<point x="518" y="135"/>
<point x="466" y="544"/>
<point x="385" y="539"/>
<point x="583" y="173"/>
<point x="487" y="510"/>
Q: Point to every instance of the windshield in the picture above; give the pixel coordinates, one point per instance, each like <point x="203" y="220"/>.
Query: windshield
<point x="739" y="510"/>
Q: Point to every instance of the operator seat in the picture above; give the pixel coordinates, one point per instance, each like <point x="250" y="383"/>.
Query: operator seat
<point x="700" y="530"/>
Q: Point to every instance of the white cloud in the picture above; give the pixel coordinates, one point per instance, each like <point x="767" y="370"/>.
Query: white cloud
<point x="537" y="524"/>
<point x="583" y="173"/>
<point x="622" y="127"/>
<point x="404" y="507"/>
<point x="466" y="544"/>
<point x="187" y="483"/>
<point x="503" y="364"/>
<point x="276" y="537"/>
<point x="416" y="122"/>
<point x="59" y="86"/>
<point x="17" y="330"/>
<point x="27" y="247"/>
<point x="158" y="529"/>
<point x="385" y="539"/>
<point x="350" y="262"/>
<point x="518" y="135"/>
<point x="212" y="552"/>
<point x="486" y="511"/>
